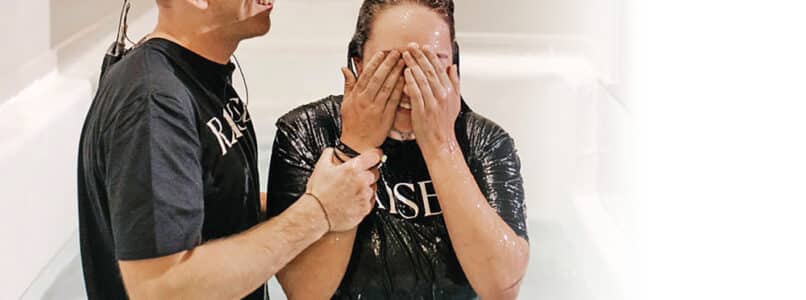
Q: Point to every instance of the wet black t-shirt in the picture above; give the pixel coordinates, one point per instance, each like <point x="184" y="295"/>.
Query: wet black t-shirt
<point x="167" y="161"/>
<point x="402" y="248"/>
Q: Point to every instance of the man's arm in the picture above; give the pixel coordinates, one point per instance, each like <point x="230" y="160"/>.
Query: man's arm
<point x="337" y="198"/>
<point x="230" y="268"/>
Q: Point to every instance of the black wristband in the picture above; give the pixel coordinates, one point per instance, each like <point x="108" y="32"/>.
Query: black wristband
<point x="338" y="157"/>
<point x="346" y="149"/>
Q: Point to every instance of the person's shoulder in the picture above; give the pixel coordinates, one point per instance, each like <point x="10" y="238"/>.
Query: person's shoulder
<point x="146" y="71"/>
<point x="144" y="75"/>
<point x="321" y="113"/>
<point x="484" y="134"/>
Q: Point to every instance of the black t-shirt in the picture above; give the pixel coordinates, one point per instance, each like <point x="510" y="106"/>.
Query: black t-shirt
<point x="167" y="161"/>
<point x="402" y="249"/>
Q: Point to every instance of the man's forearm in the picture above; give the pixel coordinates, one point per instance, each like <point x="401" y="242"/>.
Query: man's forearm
<point x="233" y="267"/>
<point x="493" y="257"/>
<point x="318" y="271"/>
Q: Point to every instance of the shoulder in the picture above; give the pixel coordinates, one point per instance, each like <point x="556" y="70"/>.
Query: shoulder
<point x="145" y="75"/>
<point x="324" y="113"/>
<point x="485" y="135"/>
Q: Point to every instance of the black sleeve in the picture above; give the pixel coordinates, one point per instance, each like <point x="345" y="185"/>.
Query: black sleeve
<point x="154" y="178"/>
<point x="499" y="178"/>
<point x="292" y="163"/>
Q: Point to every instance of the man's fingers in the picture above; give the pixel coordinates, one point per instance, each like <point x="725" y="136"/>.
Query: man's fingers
<point x="369" y="70"/>
<point x="327" y="158"/>
<point x="367" y="178"/>
<point x="366" y="160"/>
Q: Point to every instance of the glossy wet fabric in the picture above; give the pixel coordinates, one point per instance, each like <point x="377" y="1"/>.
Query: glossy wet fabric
<point x="402" y="249"/>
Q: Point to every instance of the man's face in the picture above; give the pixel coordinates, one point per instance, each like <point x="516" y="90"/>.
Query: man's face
<point x="242" y="19"/>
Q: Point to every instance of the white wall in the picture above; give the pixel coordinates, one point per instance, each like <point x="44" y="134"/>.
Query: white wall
<point x="593" y="23"/>
<point x="50" y="58"/>
<point x="25" y="54"/>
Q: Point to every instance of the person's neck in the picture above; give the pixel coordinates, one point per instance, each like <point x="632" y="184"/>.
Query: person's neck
<point x="209" y="44"/>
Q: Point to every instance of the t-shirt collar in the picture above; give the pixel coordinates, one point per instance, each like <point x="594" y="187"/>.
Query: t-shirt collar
<point x="217" y="77"/>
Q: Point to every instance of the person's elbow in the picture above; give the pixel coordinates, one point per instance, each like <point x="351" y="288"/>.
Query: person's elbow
<point x="502" y="291"/>
<point x="507" y="281"/>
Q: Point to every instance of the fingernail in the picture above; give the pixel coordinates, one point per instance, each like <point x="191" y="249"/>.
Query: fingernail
<point x="414" y="45"/>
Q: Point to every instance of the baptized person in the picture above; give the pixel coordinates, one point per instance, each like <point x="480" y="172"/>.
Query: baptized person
<point x="449" y="217"/>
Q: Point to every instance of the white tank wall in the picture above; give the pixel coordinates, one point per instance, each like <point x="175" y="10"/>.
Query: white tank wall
<point x="50" y="60"/>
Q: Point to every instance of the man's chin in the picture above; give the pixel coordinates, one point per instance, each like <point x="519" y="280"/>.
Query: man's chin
<point x="258" y="26"/>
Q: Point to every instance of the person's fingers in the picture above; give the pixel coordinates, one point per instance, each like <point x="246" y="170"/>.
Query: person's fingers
<point x="326" y="159"/>
<point x="372" y="199"/>
<point x="395" y="98"/>
<point x="349" y="80"/>
<point x="391" y="81"/>
<point x="366" y="160"/>
<point x="368" y="72"/>
<point x="428" y="70"/>
<point x="376" y="174"/>
<point x="442" y="71"/>
<point x="379" y="78"/>
<point x="413" y="91"/>
<point x="424" y="87"/>
<point x="367" y="194"/>
<point x="454" y="74"/>
<point x="366" y="178"/>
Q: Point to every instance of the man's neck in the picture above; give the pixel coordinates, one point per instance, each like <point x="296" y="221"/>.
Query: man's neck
<point x="208" y="44"/>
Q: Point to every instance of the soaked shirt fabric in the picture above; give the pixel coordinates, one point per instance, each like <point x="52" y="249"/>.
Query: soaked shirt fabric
<point x="402" y="249"/>
<point x="167" y="161"/>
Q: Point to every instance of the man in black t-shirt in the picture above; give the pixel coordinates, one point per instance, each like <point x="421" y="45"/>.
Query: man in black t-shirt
<point x="168" y="187"/>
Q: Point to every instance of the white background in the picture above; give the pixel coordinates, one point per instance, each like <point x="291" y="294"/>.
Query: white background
<point x="719" y="90"/>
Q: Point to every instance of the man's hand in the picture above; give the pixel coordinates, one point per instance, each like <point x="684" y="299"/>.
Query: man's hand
<point x="346" y="191"/>
<point x="370" y="102"/>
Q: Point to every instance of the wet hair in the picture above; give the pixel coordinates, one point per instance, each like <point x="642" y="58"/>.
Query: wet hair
<point x="371" y="8"/>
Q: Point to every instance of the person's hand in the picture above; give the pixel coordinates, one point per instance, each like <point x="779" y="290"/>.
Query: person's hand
<point x="434" y="91"/>
<point x="347" y="191"/>
<point x="370" y="102"/>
